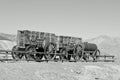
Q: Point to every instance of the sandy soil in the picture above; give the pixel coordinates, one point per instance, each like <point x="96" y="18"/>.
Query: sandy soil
<point x="23" y="70"/>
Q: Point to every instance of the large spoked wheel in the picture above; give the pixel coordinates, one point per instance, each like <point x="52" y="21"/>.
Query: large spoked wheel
<point x="50" y="50"/>
<point x="16" y="55"/>
<point x="29" y="53"/>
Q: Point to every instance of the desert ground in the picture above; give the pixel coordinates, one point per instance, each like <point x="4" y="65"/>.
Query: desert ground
<point x="23" y="70"/>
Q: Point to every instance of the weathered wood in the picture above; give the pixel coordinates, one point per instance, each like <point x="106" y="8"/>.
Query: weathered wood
<point x="31" y="37"/>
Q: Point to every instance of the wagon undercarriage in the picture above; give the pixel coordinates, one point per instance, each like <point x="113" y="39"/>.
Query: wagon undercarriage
<point x="100" y="58"/>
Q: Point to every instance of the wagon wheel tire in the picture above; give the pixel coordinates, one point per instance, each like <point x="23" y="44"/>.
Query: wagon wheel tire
<point x="15" y="55"/>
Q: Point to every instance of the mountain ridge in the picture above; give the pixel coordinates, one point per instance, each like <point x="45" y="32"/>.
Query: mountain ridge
<point x="107" y="45"/>
<point x="10" y="37"/>
<point x="7" y="41"/>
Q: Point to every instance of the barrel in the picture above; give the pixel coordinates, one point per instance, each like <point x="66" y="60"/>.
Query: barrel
<point x="89" y="46"/>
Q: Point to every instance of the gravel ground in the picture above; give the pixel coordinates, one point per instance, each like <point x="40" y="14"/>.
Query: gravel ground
<point x="23" y="70"/>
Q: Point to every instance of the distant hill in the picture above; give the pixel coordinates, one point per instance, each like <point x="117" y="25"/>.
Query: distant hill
<point x="7" y="41"/>
<point x="107" y="45"/>
<point x="9" y="37"/>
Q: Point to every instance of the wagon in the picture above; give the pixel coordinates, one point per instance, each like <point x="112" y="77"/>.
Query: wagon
<point x="33" y="41"/>
<point x="66" y="46"/>
<point x="42" y="45"/>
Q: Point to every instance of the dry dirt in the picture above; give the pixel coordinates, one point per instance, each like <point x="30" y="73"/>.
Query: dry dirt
<point x="23" y="70"/>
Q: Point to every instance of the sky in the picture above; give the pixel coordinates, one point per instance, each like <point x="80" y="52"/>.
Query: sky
<point x="78" y="18"/>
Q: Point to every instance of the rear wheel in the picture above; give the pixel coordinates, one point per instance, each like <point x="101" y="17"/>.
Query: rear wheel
<point x="16" y="55"/>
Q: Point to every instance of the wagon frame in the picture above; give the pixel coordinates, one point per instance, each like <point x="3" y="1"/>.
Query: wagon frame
<point x="30" y="41"/>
